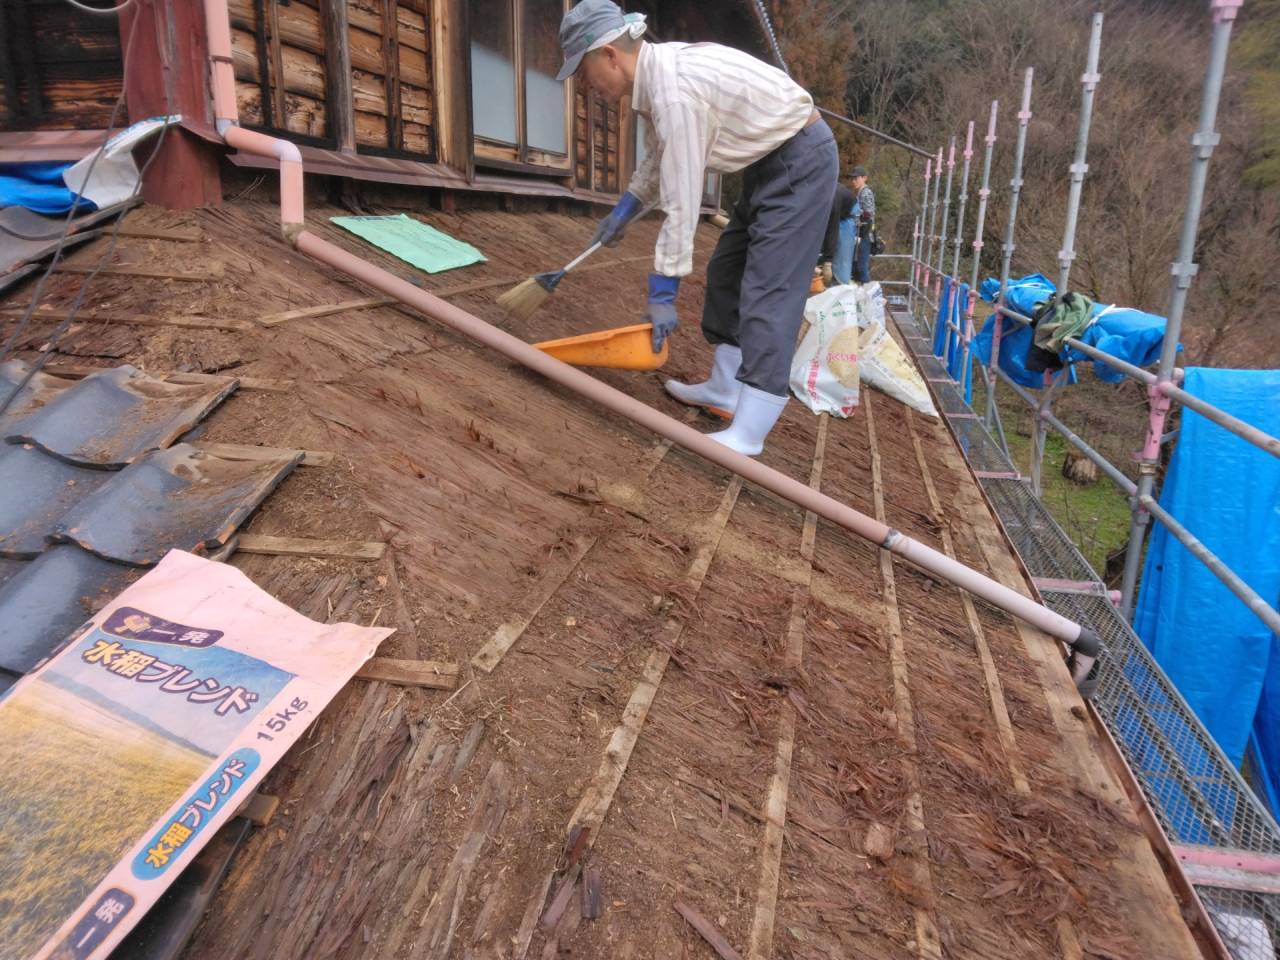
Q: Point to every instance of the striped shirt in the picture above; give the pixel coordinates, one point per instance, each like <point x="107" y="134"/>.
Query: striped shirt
<point x="708" y="107"/>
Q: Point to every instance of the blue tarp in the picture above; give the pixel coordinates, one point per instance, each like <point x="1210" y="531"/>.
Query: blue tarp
<point x="1227" y="492"/>
<point x="940" y="322"/>
<point x="1123" y="332"/>
<point x="38" y="187"/>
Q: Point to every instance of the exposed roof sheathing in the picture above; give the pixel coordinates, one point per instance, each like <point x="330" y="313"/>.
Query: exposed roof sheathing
<point x="630" y="582"/>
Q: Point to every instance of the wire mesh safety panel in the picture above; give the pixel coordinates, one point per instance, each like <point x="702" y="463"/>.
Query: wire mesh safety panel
<point x="1196" y="794"/>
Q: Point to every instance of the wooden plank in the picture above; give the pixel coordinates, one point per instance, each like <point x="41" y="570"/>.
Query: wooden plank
<point x="74" y="371"/>
<point x="928" y="940"/>
<point x="260" y="808"/>
<point x="440" y="919"/>
<point x="555" y="910"/>
<point x="598" y="797"/>
<point x="138" y="320"/>
<point x="243" y="451"/>
<point x="307" y="547"/>
<point x="153" y="233"/>
<point x="120" y="270"/>
<point x="1067" y="940"/>
<point x="1136" y="870"/>
<point x="708" y="931"/>
<point x="592" y="905"/>
<point x="584" y="823"/>
<point x="324" y="310"/>
<point x="410" y="673"/>
<point x="505" y="637"/>
<point x="991" y="678"/>
<point x="338" y="75"/>
<point x="760" y="946"/>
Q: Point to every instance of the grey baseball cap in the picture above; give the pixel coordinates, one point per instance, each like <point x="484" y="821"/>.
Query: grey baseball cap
<point x="582" y="26"/>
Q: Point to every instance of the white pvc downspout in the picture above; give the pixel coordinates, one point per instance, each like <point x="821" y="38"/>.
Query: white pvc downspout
<point x="1084" y="642"/>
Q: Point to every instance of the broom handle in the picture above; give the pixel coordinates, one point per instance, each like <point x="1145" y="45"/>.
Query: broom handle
<point x="596" y="246"/>
<point x="582" y="256"/>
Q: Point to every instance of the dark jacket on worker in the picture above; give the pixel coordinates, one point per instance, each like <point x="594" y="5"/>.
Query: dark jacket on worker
<point x="841" y="208"/>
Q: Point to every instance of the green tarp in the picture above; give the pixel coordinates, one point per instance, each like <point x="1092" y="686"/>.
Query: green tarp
<point x="412" y="241"/>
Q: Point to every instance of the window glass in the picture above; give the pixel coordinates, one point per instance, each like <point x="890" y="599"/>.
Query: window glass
<point x="543" y="94"/>
<point x="493" y="72"/>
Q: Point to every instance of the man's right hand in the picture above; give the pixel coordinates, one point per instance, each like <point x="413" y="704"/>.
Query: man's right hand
<point x="612" y="228"/>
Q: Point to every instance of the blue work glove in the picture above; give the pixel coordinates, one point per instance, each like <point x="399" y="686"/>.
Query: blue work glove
<point x="612" y="227"/>
<point x="661" y="311"/>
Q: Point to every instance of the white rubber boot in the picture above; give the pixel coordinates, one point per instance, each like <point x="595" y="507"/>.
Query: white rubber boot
<point x="756" y="414"/>
<point x="719" y="393"/>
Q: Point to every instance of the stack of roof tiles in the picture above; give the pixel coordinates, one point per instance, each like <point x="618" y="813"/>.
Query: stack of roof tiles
<point x="95" y="488"/>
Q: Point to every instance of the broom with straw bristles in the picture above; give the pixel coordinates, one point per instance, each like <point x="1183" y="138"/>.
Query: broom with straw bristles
<point x="523" y="300"/>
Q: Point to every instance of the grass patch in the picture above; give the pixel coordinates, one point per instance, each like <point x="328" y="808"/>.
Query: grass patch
<point x="1095" y="516"/>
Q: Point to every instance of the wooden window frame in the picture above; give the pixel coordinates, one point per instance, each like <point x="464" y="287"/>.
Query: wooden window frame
<point x="521" y="158"/>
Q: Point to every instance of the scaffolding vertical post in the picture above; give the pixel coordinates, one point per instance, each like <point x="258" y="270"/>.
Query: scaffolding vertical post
<point x="918" y="275"/>
<point x="1183" y="270"/>
<point x="944" y="309"/>
<point x="946" y="210"/>
<point x="964" y="200"/>
<point x="1007" y="248"/>
<point x="983" y="193"/>
<point x="1089" y="82"/>
<point x="956" y="307"/>
<point x="933" y="220"/>
<point x="914" y="276"/>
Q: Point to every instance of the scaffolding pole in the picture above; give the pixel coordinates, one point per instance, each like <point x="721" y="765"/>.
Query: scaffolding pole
<point x="917" y="270"/>
<point x="964" y="200"/>
<point x="983" y="193"/>
<point x="933" y="222"/>
<point x="1007" y="248"/>
<point x="944" y="303"/>
<point x="1089" y="82"/>
<point x="1183" y="270"/>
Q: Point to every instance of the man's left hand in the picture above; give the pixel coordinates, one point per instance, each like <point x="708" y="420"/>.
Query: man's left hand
<point x="661" y="311"/>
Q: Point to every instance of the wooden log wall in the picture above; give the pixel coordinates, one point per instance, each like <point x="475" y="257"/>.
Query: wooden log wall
<point x="279" y="59"/>
<point x="281" y="71"/>
<point x="390" y="44"/>
<point x="597" y="144"/>
<point x="60" y="69"/>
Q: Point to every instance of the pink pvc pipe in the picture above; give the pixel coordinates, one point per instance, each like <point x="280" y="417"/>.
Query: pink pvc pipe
<point x="602" y="395"/>
<point x="595" y="391"/>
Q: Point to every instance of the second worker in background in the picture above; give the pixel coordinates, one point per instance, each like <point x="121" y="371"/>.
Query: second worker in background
<point x="710" y="107"/>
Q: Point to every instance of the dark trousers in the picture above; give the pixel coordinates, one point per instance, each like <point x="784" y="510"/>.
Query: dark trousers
<point x="862" y="260"/>
<point x="759" y="274"/>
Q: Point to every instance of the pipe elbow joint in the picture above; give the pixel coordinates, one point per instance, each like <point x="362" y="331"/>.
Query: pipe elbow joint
<point x="1087" y="644"/>
<point x="287" y="151"/>
<point x="1086" y="651"/>
<point x="291" y="232"/>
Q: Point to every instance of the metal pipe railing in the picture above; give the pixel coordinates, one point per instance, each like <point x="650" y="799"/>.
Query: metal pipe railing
<point x="1263" y="610"/>
<point x="1184" y="269"/>
<point x="1007" y="248"/>
<point x="1079" y="167"/>
<point x="933" y="221"/>
<point x="983" y="193"/>
<point x="1106" y="466"/>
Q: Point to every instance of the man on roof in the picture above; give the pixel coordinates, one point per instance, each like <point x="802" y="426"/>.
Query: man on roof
<point x="710" y="107"/>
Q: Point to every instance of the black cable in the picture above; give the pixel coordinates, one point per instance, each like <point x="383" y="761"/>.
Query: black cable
<point x="60" y="331"/>
<point x="767" y="26"/>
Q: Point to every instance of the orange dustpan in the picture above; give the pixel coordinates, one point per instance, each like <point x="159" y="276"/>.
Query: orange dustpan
<point x="623" y="348"/>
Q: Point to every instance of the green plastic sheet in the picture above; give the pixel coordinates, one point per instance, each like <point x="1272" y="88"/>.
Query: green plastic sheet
<point x="412" y="241"/>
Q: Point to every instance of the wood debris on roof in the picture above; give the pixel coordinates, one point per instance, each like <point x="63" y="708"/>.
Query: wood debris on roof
<point x="814" y="751"/>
